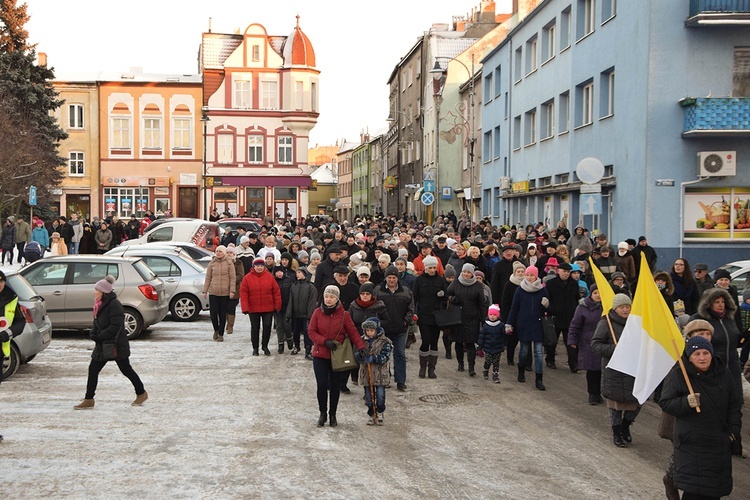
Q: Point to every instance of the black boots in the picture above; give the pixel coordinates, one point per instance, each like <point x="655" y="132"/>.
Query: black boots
<point x="460" y="359"/>
<point x="333" y="422"/>
<point x="431" y="364"/>
<point x="539" y="384"/>
<point x="626" y="431"/>
<point x="322" y="419"/>
<point x="471" y="357"/>
<point x="423" y="360"/>
<point x="617" y="436"/>
<point x="521" y="373"/>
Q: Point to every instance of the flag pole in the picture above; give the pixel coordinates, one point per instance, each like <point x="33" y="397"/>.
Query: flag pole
<point x="684" y="372"/>
<point x="611" y="330"/>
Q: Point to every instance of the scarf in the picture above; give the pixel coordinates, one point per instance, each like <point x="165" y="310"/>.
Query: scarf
<point x="467" y="282"/>
<point x="516" y="280"/>
<point x="329" y="310"/>
<point x="492" y="323"/>
<point x="367" y="304"/>
<point x="97" y="306"/>
<point x="531" y="287"/>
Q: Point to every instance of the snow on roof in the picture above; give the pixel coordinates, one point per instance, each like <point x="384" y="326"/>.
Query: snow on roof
<point x="324" y="174"/>
<point x="217" y="47"/>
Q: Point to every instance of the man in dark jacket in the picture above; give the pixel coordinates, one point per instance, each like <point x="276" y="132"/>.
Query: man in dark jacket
<point x="400" y="306"/>
<point x="66" y="231"/>
<point x="702" y="280"/>
<point x="441" y="250"/>
<point x="501" y="273"/>
<point x="563" y="300"/>
<point x="644" y="248"/>
<point x="349" y="291"/>
<point x="324" y="271"/>
<point x="283" y="328"/>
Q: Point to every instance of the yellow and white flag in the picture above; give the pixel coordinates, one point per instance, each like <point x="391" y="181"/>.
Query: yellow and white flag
<point x="651" y="342"/>
<point x="605" y="289"/>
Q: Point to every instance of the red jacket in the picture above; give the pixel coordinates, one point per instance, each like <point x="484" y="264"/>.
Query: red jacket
<point x="335" y="327"/>
<point x="419" y="266"/>
<point x="259" y="293"/>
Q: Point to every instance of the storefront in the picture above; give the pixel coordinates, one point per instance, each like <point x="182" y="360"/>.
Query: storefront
<point x="258" y="195"/>
<point x="126" y="196"/>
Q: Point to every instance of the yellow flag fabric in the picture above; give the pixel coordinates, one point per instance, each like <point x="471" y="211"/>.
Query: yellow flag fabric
<point x="10" y="313"/>
<point x="605" y="289"/>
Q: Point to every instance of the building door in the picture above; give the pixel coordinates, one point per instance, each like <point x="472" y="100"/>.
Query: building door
<point x="187" y="202"/>
<point x="80" y="204"/>
<point x="285" y="203"/>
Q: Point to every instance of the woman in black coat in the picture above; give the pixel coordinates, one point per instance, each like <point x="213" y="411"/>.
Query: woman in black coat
<point x="108" y="328"/>
<point x="509" y="291"/>
<point x="468" y="293"/>
<point x="430" y="293"/>
<point x="703" y="441"/>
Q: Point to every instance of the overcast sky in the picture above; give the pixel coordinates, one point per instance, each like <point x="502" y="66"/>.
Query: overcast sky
<point x="357" y="44"/>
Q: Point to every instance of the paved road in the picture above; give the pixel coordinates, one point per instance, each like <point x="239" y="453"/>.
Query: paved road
<point x="223" y="424"/>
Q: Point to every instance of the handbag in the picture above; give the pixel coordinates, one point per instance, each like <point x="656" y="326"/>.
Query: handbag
<point x="342" y="359"/>
<point x="666" y="425"/>
<point x="550" y="332"/>
<point x="446" y="318"/>
<point x="109" y="351"/>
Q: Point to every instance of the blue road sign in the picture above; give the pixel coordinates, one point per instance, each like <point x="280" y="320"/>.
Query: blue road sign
<point x="591" y="204"/>
<point x="429" y="186"/>
<point x="32" y="195"/>
<point x="428" y="198"/>
<point x="447" y="192"/>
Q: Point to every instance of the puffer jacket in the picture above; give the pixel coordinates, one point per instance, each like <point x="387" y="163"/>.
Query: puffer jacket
<point x="41" y="236"/>
<point x="526" y="313"/>
<point x="332" y="324"/>
<point x="563" y="300"/>
<point x="581" y="331"/>
<point x="109" y="324"/>
<point x="492" y="336"/>
<point x="259" y="293"/>
<point x="380" y="347"/>
<point x="8" y="240"/>
<point x="400" y="307"/>
<point x="426" y="300"/>
<point x="359" y="313"/>
<point x="220" y="277"/>
<point x="616" y="386"/>
<point x="474" y="304"/>
<point x="239" y="273"/>
<point x="702" y="447"/>
<point x="302" y="300"/>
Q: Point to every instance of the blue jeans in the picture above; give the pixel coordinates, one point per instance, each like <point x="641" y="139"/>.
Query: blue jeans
<point x="73" y="250"/>
<point x="379" y="399"/>
<point x="538" y="355"/>
<point x="399" y="356"/>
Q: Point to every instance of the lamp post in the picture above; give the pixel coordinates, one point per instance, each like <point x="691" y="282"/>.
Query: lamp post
<point x="205" y="119"/>
<point x="439" y="73"/>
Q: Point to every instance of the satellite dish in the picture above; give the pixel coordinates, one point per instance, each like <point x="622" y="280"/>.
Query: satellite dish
<point x="590" y="170"/>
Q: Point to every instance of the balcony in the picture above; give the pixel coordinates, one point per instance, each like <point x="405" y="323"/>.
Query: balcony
<point x="716" y="117"/>
<point x="718" y="12"/>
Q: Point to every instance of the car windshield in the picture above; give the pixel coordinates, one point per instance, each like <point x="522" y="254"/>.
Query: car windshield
<point x="146" y="273"/>
<point x="23" y="288"/>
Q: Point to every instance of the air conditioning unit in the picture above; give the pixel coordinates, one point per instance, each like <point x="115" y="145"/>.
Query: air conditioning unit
<point x="504" y="182"/>
<point x="717" y="163"/>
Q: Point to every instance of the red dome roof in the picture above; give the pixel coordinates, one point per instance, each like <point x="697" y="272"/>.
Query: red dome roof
<point x="298" y="51"/>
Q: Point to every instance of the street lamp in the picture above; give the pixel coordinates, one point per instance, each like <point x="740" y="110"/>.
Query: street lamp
<point x="439" y="74"/>
<point x="205" y="119"/>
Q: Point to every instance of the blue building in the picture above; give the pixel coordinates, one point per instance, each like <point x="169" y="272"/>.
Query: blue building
<point x="654" y="97"/>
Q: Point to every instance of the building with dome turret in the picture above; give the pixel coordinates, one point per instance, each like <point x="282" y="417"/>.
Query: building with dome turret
<point x="260" y="101"/>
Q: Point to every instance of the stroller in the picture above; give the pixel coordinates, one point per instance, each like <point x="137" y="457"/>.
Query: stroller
<point x="33" y="252"/>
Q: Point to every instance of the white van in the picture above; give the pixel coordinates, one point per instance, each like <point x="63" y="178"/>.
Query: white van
<point x="197" y="231"/>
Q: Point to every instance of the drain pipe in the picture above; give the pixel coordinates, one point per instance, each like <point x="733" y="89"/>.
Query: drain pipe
<point x="682" y="208"/>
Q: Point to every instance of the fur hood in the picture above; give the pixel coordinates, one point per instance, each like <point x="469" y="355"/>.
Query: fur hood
<point x="708" y="298"/>
<point x="374" y="324"/>
<point x="661" y="275"/>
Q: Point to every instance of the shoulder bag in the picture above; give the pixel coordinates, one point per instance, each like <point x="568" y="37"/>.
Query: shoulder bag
<point x="342" y="359"/>
<point x="550" y="332"/>
<point x="446" y="318"/>
<point x="109" y="348"/>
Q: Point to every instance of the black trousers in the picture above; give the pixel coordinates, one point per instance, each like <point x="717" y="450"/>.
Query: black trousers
<point x="123" y="364"/>
<point x="255" y="319"/>
<point x="430" y="335"/>
<point x="328" y="381"/>
<point x="594" y="382"/>
<point x="20" y="246"/>
<point x="218" y="306"/>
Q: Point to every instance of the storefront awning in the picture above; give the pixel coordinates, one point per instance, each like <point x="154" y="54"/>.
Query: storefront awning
<point x="301" y="181"/>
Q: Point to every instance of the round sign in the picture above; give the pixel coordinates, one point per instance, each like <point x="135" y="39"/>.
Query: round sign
<point x="3" y="323"/>
<point x="428" y="198"/>
<point x="590" y="170"/>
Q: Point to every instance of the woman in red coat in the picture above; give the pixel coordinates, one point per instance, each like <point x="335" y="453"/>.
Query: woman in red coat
<point x="260" y="297"/>
<point x="330" y="322"/>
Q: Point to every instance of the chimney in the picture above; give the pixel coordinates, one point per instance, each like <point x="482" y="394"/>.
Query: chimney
<point x="41" y="59"/>
<point x="210" y="24"/>
<point x="487" y="14"/>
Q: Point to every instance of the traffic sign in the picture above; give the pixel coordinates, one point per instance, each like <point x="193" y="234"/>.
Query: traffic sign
<point x="32" y="196"/>
<point x="429" y="186"/>
<point x="427" y="198"/>
<point x="591" y="188"/>
<point x="591" y="204"/>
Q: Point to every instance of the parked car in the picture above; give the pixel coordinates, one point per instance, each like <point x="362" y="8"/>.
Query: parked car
<point x="738" y="270"/>
<point x="37" y="334"/>
<point x="197" y="231"/>
<point x="183" y="277"/>
<point x="251" y="224"/>
<point x="67" y="282"/>
<point x="198" y="254"/>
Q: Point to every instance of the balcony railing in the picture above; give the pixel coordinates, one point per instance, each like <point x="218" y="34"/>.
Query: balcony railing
<point x="718" y="12"/>
<point x="716" y="116"/>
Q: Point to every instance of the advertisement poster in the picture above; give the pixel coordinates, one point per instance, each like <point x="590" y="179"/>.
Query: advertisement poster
<point x="716" y="213"/>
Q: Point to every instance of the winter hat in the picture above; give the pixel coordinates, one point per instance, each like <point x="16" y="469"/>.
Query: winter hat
<point x="565" y="266"/>
<point x="698" y="324"/>
<point x="622" y="245"/>
<point x="309" y="244"/>
<point x="575" y="268"/>
<point x="371" y="324"/>
<point x="244" y="239"/>
<point x="221" y="248"/>
<point x="430" y="261"/>
<point x="314" y="255"/>
<point x="410" y="266"/>
<point x="302" y="254"/>
<point x="617" y="274"/>
<point x="518" y="264"/>
<point x="258" y="261"/>
<point x="2" y="276"/>
<point x="722" y="273"/>
<point x="450" y="272"/>
<point x="55" y="235"/>
<point x="621" y="300"/>
<point x="287" y="256"/>
<point x="402" y="259"/>
<point x="403" y="252"/>
<point x="391" y="271"/>
<point x="341" y="270"/>
<point x="468" y="267"/>
<point x="231" y="248"/>
<point x="366" y="287"/>
<point x="355" y="260"/>
<point x="532" y="270"/>
<point x="450" y="242"/>
<point x="332" y="290"/>
<point x="385" y="258"/>
<point x="698" y="342"/>
<point x="104" y="286"/>
<point x="478" y="274"/>
<point x="277" y="269"/>
<point x="40" y="223"/>
<point x="494" y="309"/>
<point x="363" y="270"/>
<point x="552" y="262"/>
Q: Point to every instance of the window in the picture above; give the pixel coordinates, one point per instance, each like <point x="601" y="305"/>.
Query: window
<point x="120" y="133"/>
<point x="256" y="53"/>
<point x="162" y="266"/>
<point x="517" y="132"/>
<point x="270" y="95"/>
<point x="255" y="200"/>
<point x="741" y="72"/>
<point x="529" y="134"/>
<point x="548" y="41"/>
<point x="225" y="148"/>
<point x="487" y="146"/>
<point x="609" y="9"/>
<point x="563" y="103"/>
<point x="518" y="61"/>
<point x="584" y="104"/>
<point x="507" y="108"/>
<point x="299" y="95"/>
<point x="531" y="55"/>
<point x="607" y="93"/>
<point x="181" y="136"/>
<point x="314" y="96"/>
<point x="242" y="94"/>
<point x="487" y="92"/>
<point x="85" y="273"/>
<point x="285" y="150"/>
<point x="151" y="133"/>
<point x="75" y="116"/>
<point x="497" y="200"/>
<point x="498" y="82"/>
<point x="565" y="29"/>
<point x="585" y="21"/>
<point x="75" y="163"/>
<point x="410" y="75"/>
<point x="496" y="142"/>
<point x="486" y="197"/>
<point x="548" y="119"/>
<point x="255" y="149"/>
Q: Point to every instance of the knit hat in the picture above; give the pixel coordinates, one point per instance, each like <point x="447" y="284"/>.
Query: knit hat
<point x="332" y="290"/>
<point x="403" y="252"/>
<point x="391" y="271"/>
<point x="621" y="300"/>
<point x="410" y="266"/>
<point x="258" y="261"/>
<point x="450" y="242"/>
<point x="478" y="274"/>
<point x="698" y="342"/>
<point x="244" y="239"/>
<point x="302" y="254"/>
<point x="575" y="268"/>
<point x="402" y="259"/>
<point x="315" y="255"/>
<point x="309" y="244"/>
<point x="722" y="273"/>
<point x="450" y="272"/>
<point x="518" y="264"/>
<point x="696" y="325"/>
<point x="355" y="260"/>
<point x="231" y="248"/>
<point x="385" y="258"/>
<point x="363" y="270"/>
<point x="366" y="287"/>
<point x="617" y="274"/>
<point x="468" y="267"/>
<point x="622" y="246"/>
<point x="221" y="248"/>
<point x="371" y="324"/>
<point x="430" y="261"/>
<point x="494" y="309"/>
<point x="104" y="285"/>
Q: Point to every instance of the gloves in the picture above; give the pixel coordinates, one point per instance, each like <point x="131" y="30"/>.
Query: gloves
<point x="441" y="293"/>
<point x="545" y="302"/>
<point x="480" y="353"/>
<point x="415" y="318"/>
<point x="330" y="344"/>
<point x="4" y="337"/>
<point x="370" y="359"/>
<point x="694" y="400"/>
<point x="361" y="354"/>
<point x="508" y="329"/>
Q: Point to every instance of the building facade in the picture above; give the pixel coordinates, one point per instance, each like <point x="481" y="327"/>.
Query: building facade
<point x="361" y="177"/>
<point x="344" y="207"/>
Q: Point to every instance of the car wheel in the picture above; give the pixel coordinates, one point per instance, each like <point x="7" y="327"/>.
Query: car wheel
<point x="11" y="364"/>
<point x="133" y="323"/>
<point x="185" y="308"/>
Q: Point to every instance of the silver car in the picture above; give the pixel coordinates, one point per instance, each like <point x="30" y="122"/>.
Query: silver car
<point x="199" y="254"/>
<point x="183" y="277"/>
<point x="67" y="285"/>
<point x="37" y="333"/>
